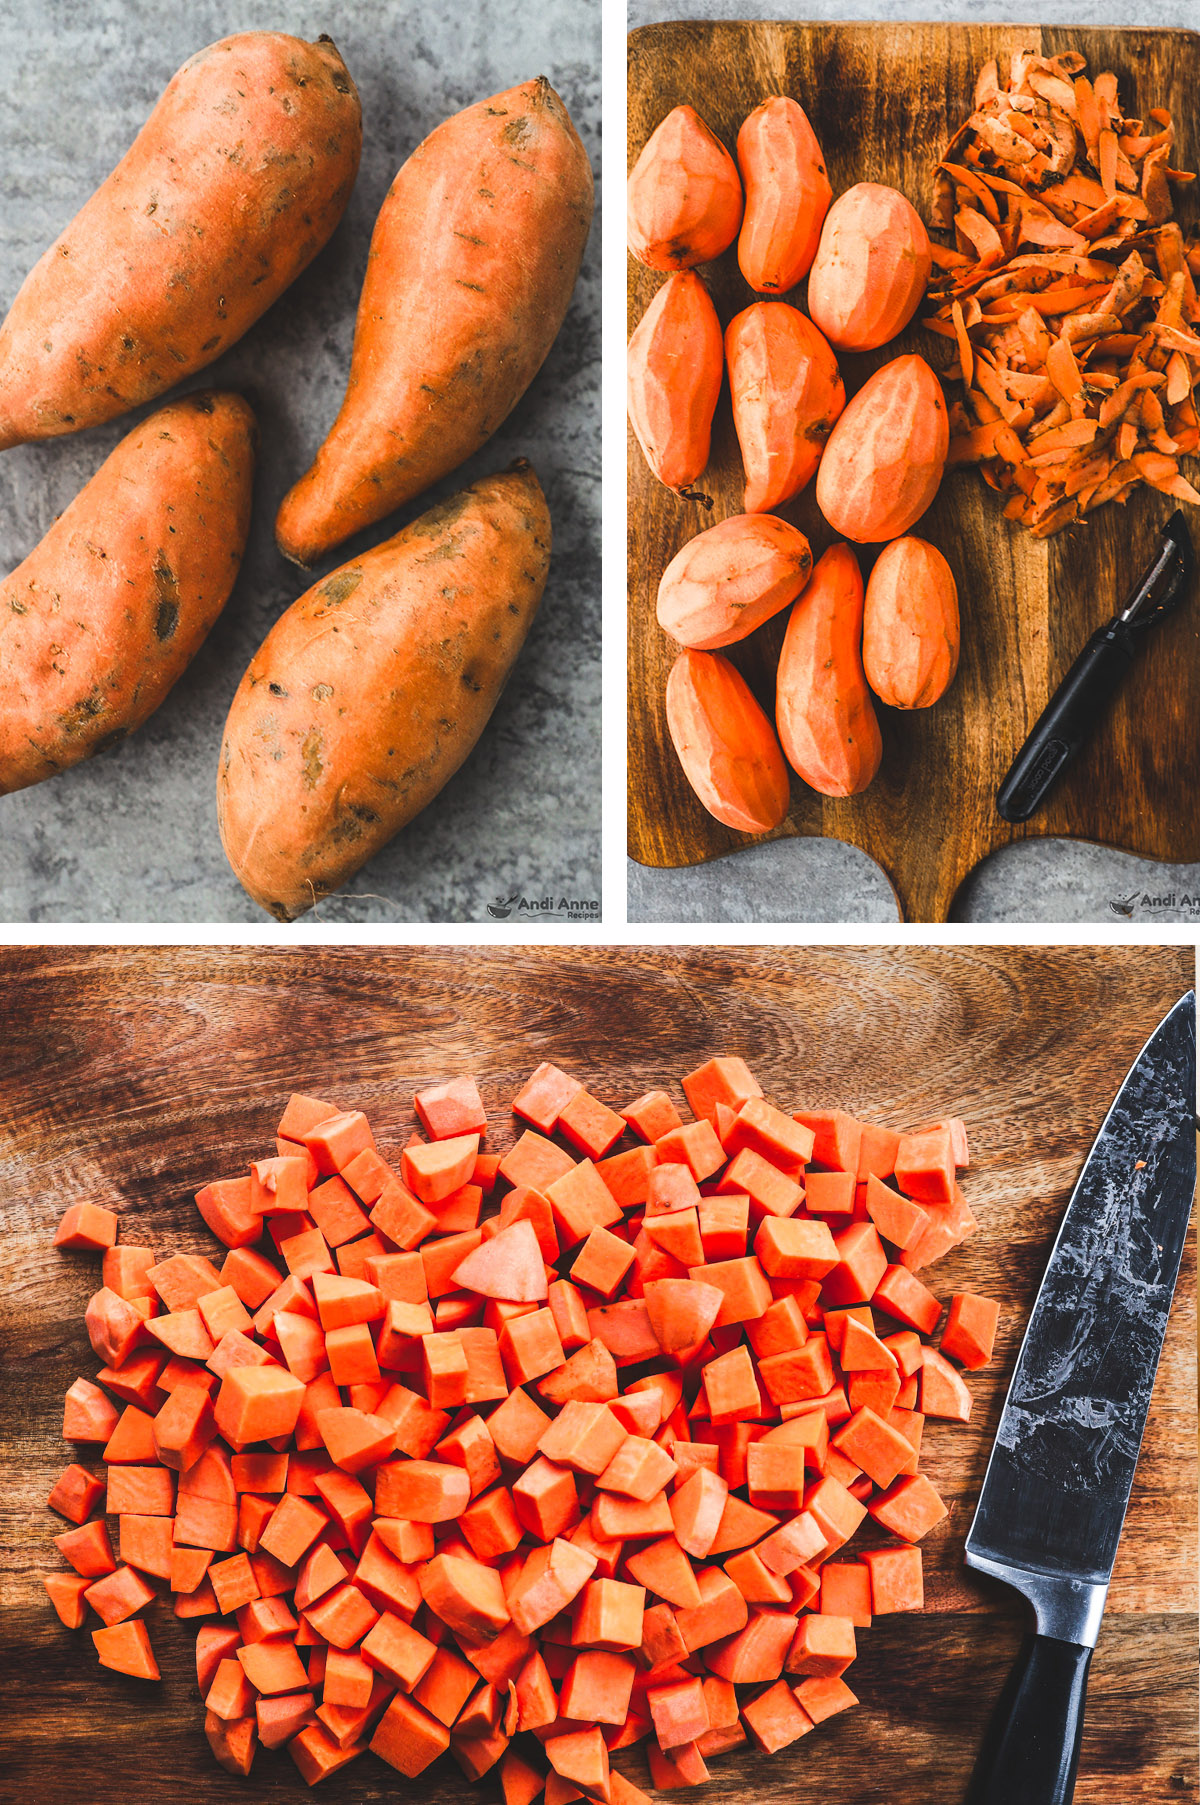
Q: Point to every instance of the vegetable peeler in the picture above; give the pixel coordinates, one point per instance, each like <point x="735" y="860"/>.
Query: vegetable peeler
<point x="1093" y="679"/>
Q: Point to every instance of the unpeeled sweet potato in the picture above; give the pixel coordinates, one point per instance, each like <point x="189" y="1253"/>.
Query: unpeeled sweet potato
<point x="108" y="611"/>
<point x="472" y="265"/>
<point x="674" y="365"/>
<point x="368" y="694"/>
<point x="827" y="726"/>
<point x="230" y="189"/>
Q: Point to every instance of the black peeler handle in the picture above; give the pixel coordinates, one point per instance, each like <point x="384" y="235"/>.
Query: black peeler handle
<point x="1068" y="719"/>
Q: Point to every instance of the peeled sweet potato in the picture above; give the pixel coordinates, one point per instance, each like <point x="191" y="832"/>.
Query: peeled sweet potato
<point x="827" y="726"/>
<point x="724" y="742"/>
<point x="910" y="624"/>
<point x="787" y="392"/>
<point x="368" y="694"/>
<point x="884" y="458"/>
<point x="108" y="611"/>
<point x="871" y="267"/>
<point x="674" y="366"/>
<point x="684" y="197"/>
<point x="230" y="189"/>
<point x="731" y="578"/>
<point x="472" y="265"/>
<point x="787" y="195"/>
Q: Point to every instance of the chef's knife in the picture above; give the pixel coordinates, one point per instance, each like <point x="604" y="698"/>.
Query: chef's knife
<point x="1085" y="691"/>
<point x="1057" y="1485"/>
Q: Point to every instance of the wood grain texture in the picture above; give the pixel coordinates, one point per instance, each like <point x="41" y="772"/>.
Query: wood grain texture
<point x="883" y="100"/>
<point x="129" y="1077"/>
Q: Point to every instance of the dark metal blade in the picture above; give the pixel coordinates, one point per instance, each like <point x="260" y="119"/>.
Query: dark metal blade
<point x="1057" y="1485"/>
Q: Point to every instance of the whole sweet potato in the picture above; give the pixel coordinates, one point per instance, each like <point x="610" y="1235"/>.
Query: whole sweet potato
<point x="884" y="459"/>
<point x="827" y="726"/>
<point x="725" y="743"/>
<point x="787" y="195"/>
<point x="684" y="195"/>
<point x="910" y="624"/>
<point x="108" y="611"/>
<point x="368" y="694"/>
<point x="472" y="264"/>
<point x="674" y="364"/>
<point x="787" y="393"/>
<point x="229" y="190"/>
<point x="731" y="578"/>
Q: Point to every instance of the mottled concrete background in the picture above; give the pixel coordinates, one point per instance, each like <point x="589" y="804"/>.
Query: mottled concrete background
<point x="132" y="835"/>
<point x="822" y="880"/>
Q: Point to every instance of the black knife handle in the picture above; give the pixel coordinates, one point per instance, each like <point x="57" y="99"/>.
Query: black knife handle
<point x="1031" y="1751"/>
<point x="1069" y="717"/>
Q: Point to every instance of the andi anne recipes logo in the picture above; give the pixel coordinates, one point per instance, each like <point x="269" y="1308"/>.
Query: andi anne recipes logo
<point x="554" y="908"/>
<point x="1140" y="902"/>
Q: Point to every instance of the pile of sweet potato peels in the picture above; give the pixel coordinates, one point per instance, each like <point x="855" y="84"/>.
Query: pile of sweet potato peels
<point x="1070" y="293"/>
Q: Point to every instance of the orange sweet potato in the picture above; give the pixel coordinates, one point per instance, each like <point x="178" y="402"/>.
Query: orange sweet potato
<point x="823" y="710"/>
<point x="885" y="456"/>
<point x="674" y="365"/>
<point x="472" y="265"/>
<point x="910" y="624"/>
<point x="729" y="579"/>
<point x="230" y="189"/>
<point x="787" y="392"/>
<point x="684" y="197"/>
<point x="871" y="268"/>
<point x="351" y="718"/>
<point x="108" y="611"/>
<point x="787" y="195"/>
<point x="725" y="744"/>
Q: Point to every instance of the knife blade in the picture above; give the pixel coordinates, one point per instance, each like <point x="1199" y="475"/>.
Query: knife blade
<point x="1057" y="1485"/>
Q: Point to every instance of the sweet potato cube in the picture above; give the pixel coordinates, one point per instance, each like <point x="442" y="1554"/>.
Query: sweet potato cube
<point x="409" y="1738"/>
<point x="125" y="1647"/>
<point x="590" y="1126"/>
<point x="792" y="1545"/>
<point x="543" y="1096"/>
<point x="343" y="1616"/>
<point x="584" y="1436"/>
<point x="907" y="1299"/>
<point x="88" y="1548"/>
<point x="509" y="1266"/>
<point x="943" y="1392"/>
<point x="896" y="1582"/>
<point x="517" y="1426"/>
<point x="910" y="1508"/>
<point x="258" y="1403"/>
<point x="580" y="1201"/>
<point x="545" y="1499"/>
<point x="88" y="1415"/>
<point x="823" y="1698"/>
<point x="87" y="1227"/>
<point x="602" y="1262"/>
<point x="117" y="1595"/>
<point x="679" y="1711"/>
<point x="451" y="1108"/>
<point x="530" y="1347"/>
<point x="925" y="1165"/>
<point x="76" y="1493"/>
<point x="780" y="1139"/>
<point x="743" y="1284"/>
<point x="721" y="1612"/>
<point x="725" y="1080"/>
<point x="597" y="1686"/>
<point x="795" y="1247"/>
<point x="581" y="1758"/>
<point x="552" y="1577"/>
<point x="896" y="1217"/>
<point x="970" y="1332"/>
<point x="771" y="1191"/>
<point x="776" y="1718"/>
<point x="638" y="1469"/>
<point x="823" y="1646"/>
<point x="466" y="1595"/>
<point x="398" y="1651"/>
<point x="730" y="1385"/>
<point x="756" y="1654"/>
<point x="421" y="1491"/>
<point x="535" y="1161"/>
<point x="433" y="1169"/>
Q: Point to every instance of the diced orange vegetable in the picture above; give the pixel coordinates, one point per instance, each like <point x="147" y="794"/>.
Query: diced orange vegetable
<point x="970" y="1331"/>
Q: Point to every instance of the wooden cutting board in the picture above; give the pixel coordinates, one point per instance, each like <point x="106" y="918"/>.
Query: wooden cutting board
<point x="883" y="100"/>
<point x="129" y="1077"/>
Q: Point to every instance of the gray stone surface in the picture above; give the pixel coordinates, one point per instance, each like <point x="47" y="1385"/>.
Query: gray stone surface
<point x="821" y="880"/>
<point x="132" y="835"/>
